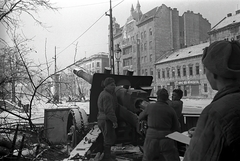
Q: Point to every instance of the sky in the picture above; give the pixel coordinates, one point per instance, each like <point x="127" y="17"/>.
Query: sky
<point x="80" y="27"/>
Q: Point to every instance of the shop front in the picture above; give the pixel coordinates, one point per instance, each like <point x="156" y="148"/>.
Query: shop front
<point x="190" y="88"/>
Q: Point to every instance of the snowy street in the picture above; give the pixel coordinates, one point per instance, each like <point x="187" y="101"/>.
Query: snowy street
<point x="189" y="106"/>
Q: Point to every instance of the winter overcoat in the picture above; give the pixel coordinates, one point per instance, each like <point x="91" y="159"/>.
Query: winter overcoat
<point x="217" y="133"/>
<point x="107" y="104"/>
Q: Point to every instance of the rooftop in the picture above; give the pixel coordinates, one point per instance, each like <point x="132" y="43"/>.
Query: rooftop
<point x="229" y="20"/>
<point x="184" y="53"/>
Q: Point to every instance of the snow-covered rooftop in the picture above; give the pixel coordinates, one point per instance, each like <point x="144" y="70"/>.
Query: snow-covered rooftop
<point x="184" y="53"/>
<point x="228" y="21"/>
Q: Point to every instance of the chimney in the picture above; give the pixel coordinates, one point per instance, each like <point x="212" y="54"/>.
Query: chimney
<point x="229" y="14"/>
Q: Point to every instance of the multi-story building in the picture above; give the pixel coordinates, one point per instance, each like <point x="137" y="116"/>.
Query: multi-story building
<point x="193" y="29"/>
<point x="95" y="63"/>
<point x="145" y="38"/>
<point x="227" y="29"/>
<point x="184" y="69"/>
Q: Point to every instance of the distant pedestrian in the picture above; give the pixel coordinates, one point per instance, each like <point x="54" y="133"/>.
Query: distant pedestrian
<point x="217" y="133"/>
<point x="161" y="120"/>
<point x="107" y="120"/>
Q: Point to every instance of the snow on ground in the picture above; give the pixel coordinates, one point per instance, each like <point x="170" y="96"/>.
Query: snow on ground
<point x="38" y="111"/>
<point x="189" y="106"/>
<point x="195" y="105"/>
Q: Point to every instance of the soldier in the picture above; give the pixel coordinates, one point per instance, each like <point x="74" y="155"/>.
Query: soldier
<point x="107" y="120"/>
<point x="161" y="120"/>
<point x="217" y="133"/>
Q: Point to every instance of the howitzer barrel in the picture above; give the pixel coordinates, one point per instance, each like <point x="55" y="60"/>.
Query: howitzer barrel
<point x="84" y="75"/>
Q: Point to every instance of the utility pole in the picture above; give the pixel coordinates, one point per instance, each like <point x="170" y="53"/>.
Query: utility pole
<point x="111" y="46"/>
<point x="55" y="62"/>
<point x="46" y="55"/>
<point x="75" y="52"/>
<point x="56" y="80"/>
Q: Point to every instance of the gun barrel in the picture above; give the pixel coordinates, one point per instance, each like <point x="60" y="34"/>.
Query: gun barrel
<point x="84" y="75"/>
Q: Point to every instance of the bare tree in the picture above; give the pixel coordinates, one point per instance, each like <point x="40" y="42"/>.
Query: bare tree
<point x="15" y="68"/>
<point x="11" y="10"/>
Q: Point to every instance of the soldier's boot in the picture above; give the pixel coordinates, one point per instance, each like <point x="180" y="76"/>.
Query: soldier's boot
<point x="107" y="154"/>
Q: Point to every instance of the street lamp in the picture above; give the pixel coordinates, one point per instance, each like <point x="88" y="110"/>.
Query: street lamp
<point x="118" y="56"/>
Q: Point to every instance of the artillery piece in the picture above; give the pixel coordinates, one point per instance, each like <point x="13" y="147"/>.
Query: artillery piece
<point x="133" y="93"/>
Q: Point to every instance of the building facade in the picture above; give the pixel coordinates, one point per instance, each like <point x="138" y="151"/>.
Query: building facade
<point x="184" y="69"/>
<point x="193" y="29"/>
<point x="95" y="63"/>
<point x="227" y="29"/>
<point x="146" y="38"/>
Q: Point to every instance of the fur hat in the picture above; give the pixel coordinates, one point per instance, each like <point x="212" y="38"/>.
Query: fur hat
<point x="223" y="58"/>
<point x="108" y="81"/>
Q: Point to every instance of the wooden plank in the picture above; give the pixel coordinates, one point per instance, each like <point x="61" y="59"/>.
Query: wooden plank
<point x="82" y="148"/>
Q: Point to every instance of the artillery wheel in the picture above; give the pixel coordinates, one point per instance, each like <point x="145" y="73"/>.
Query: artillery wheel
<point x="76" y="127"/>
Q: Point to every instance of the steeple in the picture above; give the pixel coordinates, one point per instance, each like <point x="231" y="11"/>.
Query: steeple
<point x="132" y="9"/>
<point x="138" y="6"/>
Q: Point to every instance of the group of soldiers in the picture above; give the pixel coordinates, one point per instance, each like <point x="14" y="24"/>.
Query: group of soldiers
<point x="217" y="133"/>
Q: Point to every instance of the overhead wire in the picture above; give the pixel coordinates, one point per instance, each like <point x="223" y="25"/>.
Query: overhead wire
<point x="83" y="5"/>
<point x="87" y="29"/>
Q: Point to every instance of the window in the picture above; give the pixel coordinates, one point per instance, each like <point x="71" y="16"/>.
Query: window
<point x="178" y="71"/>
<point x="146" y="73"/>
<point x="142" y="71"/>
<point x="145" y="35"/>
<point x="150" y="31"/>
<point x="145" y="46"/>
<point x="141" y="47"/>
<point x="205" y="87"/>
<point x="151" y="71"/>
<point x="132" y="39"/>
<point x="127" y="61"/>
<point x="168" y="74"/>
<point x="98" y="64"/>
<point x="141" y="35"/>
<point x="150" y="45"/>
<point x="197" y="69"/>
<point x="92" y="64"/>
<point x="204" y="70"/>
<point x="191" y="70"/>
<point x="150" y="57"/>
<point x="173" y="72"/>
<point x="163" y="73"/>
<point x="184" y="70"/>
<point x="159" y="74"/>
